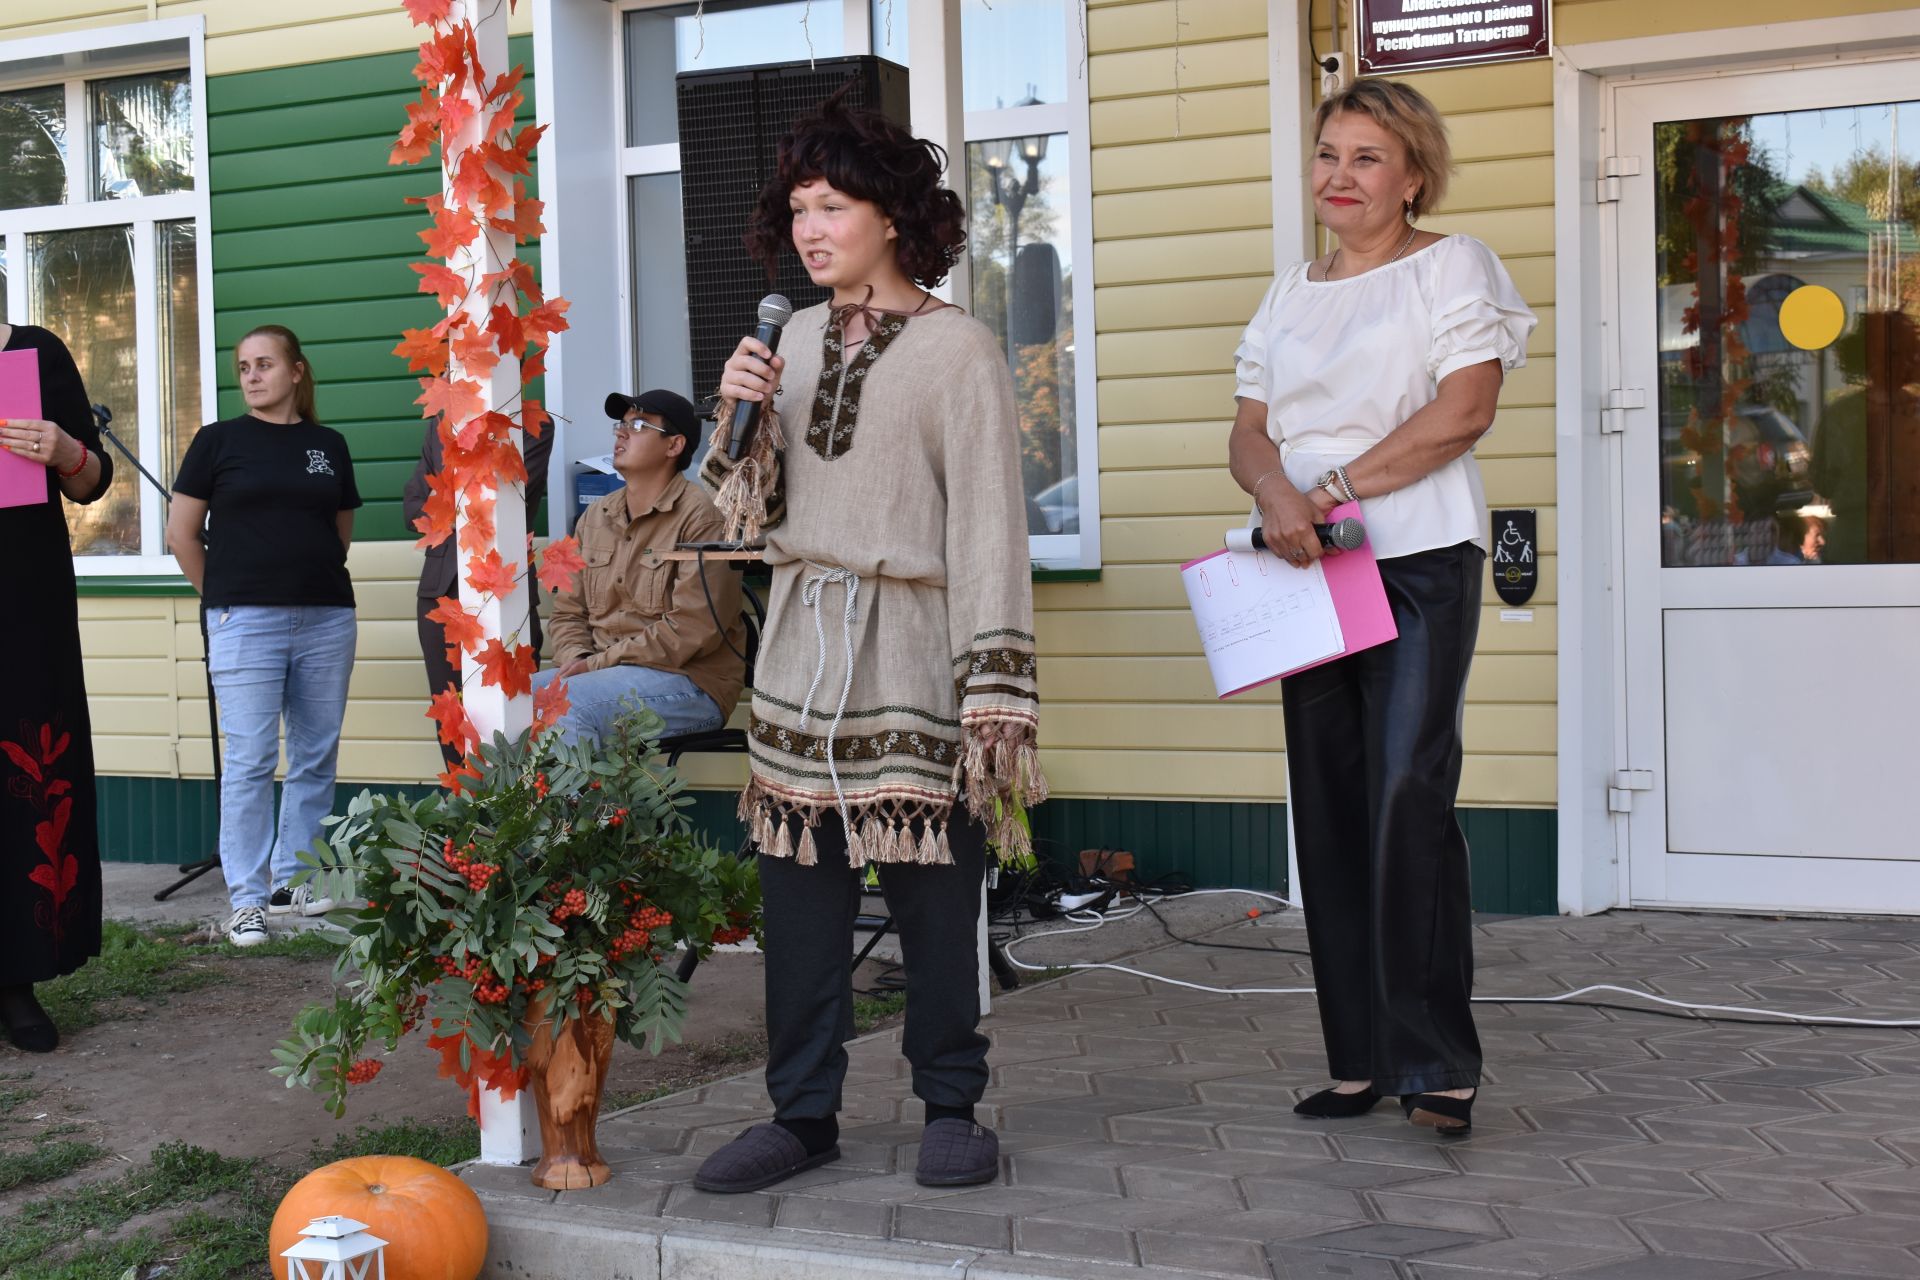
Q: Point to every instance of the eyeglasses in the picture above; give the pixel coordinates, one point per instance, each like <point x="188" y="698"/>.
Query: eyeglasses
<point x="639" y="424"/>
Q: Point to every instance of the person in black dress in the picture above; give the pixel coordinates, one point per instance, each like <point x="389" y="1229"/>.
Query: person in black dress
<point x="49" y="837"/>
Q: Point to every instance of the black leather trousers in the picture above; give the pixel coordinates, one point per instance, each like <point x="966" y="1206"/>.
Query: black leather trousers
<point x="1373" y="765"/>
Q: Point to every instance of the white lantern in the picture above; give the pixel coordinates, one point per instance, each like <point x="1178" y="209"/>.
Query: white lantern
<point x="342" y="1248"/>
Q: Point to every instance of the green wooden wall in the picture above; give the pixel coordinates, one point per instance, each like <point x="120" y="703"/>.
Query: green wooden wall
<point x="1215" y="845"/>
<point x="310" y="231"/>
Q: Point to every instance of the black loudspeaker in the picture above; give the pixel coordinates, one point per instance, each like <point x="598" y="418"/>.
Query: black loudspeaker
<point x="731" y="124"/>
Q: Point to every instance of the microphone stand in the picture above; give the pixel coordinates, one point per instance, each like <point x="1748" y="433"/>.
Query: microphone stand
<point x="190" y="871"/>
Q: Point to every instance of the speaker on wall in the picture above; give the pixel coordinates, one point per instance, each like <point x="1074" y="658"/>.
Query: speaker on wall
<point x="731" y="124"/>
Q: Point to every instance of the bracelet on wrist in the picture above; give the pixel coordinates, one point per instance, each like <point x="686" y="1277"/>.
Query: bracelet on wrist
<point x="1265" y="476"/>
<point x="78" y="467"/>
<point x="1346" y="484"/>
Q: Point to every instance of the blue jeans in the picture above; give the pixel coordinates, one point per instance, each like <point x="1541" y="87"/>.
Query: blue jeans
<point x="601" y="697"/>
<point x="270" y="661"/>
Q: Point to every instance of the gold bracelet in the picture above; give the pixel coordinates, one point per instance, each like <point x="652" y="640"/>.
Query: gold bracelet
<point x="1265" y="476"/>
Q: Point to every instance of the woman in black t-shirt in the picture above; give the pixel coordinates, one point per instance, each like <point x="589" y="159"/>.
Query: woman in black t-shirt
<point x="273" y="496"/>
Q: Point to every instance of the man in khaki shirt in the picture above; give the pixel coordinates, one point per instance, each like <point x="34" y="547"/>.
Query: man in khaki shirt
<point x="636" y="628"/>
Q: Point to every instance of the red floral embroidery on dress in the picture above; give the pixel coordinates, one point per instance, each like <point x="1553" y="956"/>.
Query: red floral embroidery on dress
<point x="51" y="796"/>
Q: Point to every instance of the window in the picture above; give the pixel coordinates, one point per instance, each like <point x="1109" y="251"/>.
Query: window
<point x="1026" y="179"/>
<point x="103" y="240"/>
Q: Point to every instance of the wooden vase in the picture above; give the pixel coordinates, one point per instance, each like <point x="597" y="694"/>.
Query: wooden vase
<point x="568" y="1073"/>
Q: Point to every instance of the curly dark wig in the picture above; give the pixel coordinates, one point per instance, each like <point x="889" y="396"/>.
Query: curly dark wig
<point x="869" y="157"/>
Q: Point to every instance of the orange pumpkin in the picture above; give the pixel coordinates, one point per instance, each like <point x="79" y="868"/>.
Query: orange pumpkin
<point x="432" y="1222"/>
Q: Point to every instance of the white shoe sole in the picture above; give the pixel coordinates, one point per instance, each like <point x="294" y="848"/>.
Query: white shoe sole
<point x="248" y="939"/>
<point x="318" y="908"/>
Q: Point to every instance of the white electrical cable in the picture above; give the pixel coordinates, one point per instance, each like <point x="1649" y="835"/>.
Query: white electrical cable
<point x="1087" y="925"/>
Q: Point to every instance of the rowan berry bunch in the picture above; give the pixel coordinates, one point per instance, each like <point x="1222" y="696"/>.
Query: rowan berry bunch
<point x="364" y="1070"/>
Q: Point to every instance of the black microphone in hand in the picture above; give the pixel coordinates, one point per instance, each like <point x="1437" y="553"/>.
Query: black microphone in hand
<point x="775" y="311"/>
<point x="1347" y="535"/>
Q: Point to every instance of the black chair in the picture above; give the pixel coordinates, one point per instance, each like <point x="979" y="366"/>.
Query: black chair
<point x="726" y="739"/>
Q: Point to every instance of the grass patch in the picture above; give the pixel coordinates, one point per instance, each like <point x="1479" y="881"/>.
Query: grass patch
<point x="435" y="1141"/>
<point x="215" y="1210"/>
<point x="131" y="966"/>
<point x="15" y="1094"/>
<point x="46" y="1161"/>
<point x="870" y="1011"/>
<point x="137" y="964"/>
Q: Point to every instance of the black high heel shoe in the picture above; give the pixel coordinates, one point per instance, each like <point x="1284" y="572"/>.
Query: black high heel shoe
<point x="1438" y="1112"/>
<point x="1331" y="1104"/>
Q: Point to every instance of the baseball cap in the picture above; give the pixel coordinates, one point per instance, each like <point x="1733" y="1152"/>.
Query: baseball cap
<point x="675" y="410"/>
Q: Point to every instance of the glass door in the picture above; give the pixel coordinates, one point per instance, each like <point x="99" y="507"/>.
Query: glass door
<point x="1770" y="318"/>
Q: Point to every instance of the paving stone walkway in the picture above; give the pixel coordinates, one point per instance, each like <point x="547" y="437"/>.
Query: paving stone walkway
<point x="1145" y="1126"/>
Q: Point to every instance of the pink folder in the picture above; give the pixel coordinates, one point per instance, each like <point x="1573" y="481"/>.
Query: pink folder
<point x="22" y="481"/>
<point x="1353" y="580"/>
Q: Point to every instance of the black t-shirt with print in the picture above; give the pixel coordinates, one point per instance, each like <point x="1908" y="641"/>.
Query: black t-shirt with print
<point x="273" y="492"/>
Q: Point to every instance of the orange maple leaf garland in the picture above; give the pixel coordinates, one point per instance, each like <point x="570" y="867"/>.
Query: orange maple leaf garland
<point x="478" y="449"/>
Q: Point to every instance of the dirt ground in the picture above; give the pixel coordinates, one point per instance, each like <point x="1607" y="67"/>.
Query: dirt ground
<point x="193" y="1066"/>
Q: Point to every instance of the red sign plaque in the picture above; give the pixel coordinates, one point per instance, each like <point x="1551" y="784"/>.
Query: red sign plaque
<point x="1416" y="35"/>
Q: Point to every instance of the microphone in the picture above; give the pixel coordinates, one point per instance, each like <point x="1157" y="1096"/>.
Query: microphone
<point x="1346" y="534"/>
<point x="775" y="311"/>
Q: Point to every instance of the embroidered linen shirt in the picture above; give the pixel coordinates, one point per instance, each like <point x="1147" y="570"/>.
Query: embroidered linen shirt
<point x="629" y="607"/>
<point x="897" y="670"/>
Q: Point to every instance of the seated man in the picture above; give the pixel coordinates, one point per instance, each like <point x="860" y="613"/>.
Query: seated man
<point x="636" y="628"/>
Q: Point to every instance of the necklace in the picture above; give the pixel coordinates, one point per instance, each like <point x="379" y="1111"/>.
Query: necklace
<point x="1411" y="233"/>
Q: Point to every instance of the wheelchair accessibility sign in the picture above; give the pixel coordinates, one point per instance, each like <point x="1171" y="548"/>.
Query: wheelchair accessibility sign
<point x="1516" y="557"/>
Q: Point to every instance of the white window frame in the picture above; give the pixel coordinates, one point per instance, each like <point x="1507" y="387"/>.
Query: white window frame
<point x="1072" y="118"/>
<point x="141" y="213"/>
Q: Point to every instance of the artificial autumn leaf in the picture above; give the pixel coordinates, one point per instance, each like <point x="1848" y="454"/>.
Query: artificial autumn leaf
<point x="456" y="398"/>
<point x="456" y="730"/>
<point x="444" y="283"/>
<point x="426" y="13"/>
<point x="530" y="368"/>
<point x="532" y="411"/>
<point x="525" y="223"/>
<point x="490" y="575"/>
<point x="455" y="780"/>
<point x="511" y="669"/>
<point x="561" y="564"/>
<point x="502" y="121"/>
<point x="507" y="159"/>
<point x="422" y="128"/>
<point x="546" y="320"/>
<point x="474" y="185"/>
<point x="476" y="525"/>
<point x="509" y="82"/>
<point x="504" y="325"/>
<point x="517" y="273"/>
<point x="455" y="110"/>
<point x="476" y="352"/>
<point x="463" y="629"/>
<point x="452" y="230"/>
<point x="422" y="350"/>
<point x="443" y="59"/>
<point x="550" y="702"/>
<point x="437" y="513"/>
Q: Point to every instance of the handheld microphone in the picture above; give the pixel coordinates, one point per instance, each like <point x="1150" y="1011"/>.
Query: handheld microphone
<point x="1347" y="535"/>
<point x="775" y="311"/>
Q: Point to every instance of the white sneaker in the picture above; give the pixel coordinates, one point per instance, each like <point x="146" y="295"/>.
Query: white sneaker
<point x="247" y="927"/>
<point x="286" y="901"/>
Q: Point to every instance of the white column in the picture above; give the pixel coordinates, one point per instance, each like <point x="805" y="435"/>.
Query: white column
<point x="1290" y="109"/>
<point x="934" y="99"/>
<point x="506" y="1127"/>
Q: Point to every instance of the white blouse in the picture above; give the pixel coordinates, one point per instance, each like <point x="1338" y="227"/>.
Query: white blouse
<point x="1340" y="363"/>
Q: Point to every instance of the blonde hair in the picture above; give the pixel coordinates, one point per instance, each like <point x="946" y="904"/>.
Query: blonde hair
<point x="303" y="390"/>
<point x="1404" y="112"/>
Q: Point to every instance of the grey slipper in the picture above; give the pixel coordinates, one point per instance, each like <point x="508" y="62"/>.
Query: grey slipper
<point x="759" y="1157"/>
<point x="957" y="1153"/>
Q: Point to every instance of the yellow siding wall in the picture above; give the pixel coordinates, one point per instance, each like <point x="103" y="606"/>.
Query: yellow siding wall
<point x="1183" y="252"/>
<point x="1581" y="21"/>
<point x="246" y="35"/>
<point x="146" y="683"/>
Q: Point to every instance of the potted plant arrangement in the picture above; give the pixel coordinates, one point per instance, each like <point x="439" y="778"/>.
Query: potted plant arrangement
<point x="526" y="918"/>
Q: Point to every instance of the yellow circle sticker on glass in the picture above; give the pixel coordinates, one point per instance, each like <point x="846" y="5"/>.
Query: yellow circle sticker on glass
<point x="1812" y="316"/>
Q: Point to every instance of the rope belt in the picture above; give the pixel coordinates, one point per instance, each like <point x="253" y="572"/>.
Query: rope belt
<point x="810" y="590"/>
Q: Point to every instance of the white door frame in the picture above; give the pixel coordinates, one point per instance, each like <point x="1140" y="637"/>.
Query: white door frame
<point x="1594" y="839"/>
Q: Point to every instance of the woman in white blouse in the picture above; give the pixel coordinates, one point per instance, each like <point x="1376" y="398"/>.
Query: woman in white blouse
<point x="1369" y="374"/>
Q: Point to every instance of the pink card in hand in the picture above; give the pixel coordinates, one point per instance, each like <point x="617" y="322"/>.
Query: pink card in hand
<point x="22" y="481"/>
